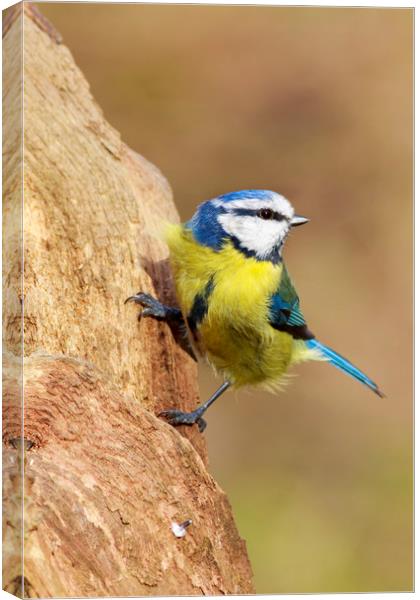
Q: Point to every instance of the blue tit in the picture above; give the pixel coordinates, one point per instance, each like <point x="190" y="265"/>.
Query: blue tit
<point x="236" y="298"/>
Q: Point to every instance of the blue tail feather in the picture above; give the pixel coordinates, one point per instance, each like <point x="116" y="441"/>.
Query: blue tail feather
<point x="342" y="363"/>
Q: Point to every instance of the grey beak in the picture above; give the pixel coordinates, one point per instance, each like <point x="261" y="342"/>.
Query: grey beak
<point x="298" y="220"/>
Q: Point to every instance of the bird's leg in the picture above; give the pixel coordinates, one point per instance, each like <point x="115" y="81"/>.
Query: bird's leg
<point x="161" y="312"/>
<point x="177" y="417"/>
<point x="154" y="308"/>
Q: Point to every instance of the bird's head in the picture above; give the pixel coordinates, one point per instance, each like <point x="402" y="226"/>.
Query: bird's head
<point x="257" y="222"/>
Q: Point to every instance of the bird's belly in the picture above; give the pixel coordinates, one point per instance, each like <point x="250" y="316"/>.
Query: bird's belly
<point x="244" y="347"/>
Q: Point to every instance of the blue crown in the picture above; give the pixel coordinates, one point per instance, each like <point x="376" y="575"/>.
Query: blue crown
<point x="246" y="194"/>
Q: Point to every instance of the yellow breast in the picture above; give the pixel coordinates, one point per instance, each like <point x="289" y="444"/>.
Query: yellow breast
<point x="234" y="333"/>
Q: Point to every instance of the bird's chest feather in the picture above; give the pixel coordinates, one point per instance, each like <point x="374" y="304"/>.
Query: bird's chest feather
<point x="242" y="291"/>
<point x="225" y="297"/>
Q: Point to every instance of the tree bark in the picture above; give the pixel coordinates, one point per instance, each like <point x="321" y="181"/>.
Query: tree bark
<point x="103" y="477"/>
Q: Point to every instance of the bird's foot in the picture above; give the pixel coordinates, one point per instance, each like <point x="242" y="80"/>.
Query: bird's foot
<point x="153" y="308"/>
<point x="177" y="417"/>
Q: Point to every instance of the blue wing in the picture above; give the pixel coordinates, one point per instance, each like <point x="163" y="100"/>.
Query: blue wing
<point x="285" y="315"/>
<point x="284" y="310"/>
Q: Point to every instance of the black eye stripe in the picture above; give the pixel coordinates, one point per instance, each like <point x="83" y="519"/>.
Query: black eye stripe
<point x="278" y="217"/>
<point x="249" y="212"/>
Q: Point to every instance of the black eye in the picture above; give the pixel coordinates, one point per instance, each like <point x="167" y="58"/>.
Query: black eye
<point x="265" y="213"/>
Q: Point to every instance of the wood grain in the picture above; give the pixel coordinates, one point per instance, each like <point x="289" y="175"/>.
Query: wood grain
<point x="103" y="476"/>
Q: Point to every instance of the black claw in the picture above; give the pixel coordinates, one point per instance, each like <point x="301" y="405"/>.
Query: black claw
<point x="177" y="417"/>
<point x="153" y="308"/>
<point x="202" y="424"/>
<point x="143" y="299"/>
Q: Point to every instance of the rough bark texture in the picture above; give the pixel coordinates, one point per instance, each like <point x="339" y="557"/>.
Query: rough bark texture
<point x="12" y="293"/>
<point x="104" y="478"/>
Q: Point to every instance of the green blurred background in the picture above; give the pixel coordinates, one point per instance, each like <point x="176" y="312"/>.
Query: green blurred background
<point x="315" y="103"/>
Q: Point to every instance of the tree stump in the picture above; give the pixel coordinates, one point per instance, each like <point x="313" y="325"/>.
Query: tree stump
<point x="103" y="477"/>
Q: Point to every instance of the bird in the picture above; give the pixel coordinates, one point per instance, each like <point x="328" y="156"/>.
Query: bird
<point x="236" y="299"/>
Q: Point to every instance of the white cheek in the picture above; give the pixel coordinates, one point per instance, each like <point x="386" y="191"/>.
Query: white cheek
<point x="255" y="234"/>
